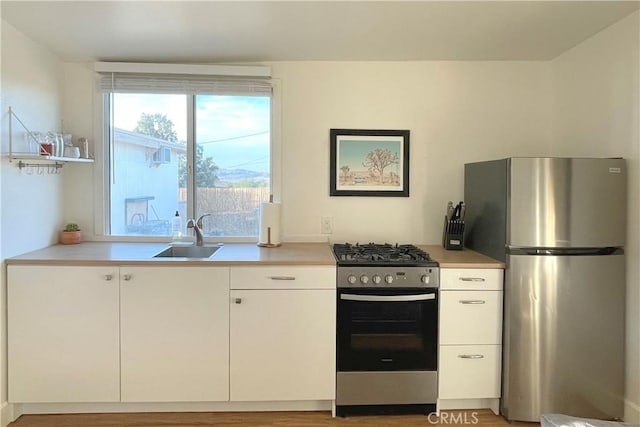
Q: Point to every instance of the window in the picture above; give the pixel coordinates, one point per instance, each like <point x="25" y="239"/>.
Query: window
<point x="196" y="145"/>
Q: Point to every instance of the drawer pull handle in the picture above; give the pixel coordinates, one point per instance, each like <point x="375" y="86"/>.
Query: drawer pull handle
<point x="472" y="279"/>
<point x="472" y="301"/>
<point x="373" y="298"/>
<point x="282" y="278"/>
<point x="108" y="277"/>
<point x="126" y="277"/>
<point x="237" y="300"/>
<point x="471" y="356"/>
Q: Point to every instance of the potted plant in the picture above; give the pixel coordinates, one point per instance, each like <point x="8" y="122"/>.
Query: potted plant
<point x="71" y="234"/>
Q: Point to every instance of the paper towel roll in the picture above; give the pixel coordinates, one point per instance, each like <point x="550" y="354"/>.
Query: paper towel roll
<point x="269" y="224"/>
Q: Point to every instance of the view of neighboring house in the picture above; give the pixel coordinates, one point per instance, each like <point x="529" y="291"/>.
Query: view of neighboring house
<point x="144" y="184"/>
<point x="146" y="191"/>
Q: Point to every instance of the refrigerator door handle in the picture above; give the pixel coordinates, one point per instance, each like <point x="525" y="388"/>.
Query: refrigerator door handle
<point x="607" y="250"/>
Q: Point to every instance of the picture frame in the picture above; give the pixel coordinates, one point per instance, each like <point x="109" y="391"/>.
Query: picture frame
<point x="369" y="163"/>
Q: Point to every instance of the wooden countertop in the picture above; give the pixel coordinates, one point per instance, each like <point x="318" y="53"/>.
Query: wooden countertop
<point x="465" y="258"/>
<point x="120" y="253"/>
<point x="108" y="253"/>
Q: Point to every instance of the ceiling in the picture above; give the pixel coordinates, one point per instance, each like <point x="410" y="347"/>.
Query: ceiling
<point x="251" y="31"/>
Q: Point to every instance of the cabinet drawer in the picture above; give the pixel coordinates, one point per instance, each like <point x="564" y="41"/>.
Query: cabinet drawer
<point x="471" y="279"/>
<point x="470" y="317"/>
<point x="283" y="277"/>
<point x="469" y="371"/>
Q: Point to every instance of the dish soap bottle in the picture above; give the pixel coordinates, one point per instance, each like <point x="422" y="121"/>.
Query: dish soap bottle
<point x="176" y="226"/>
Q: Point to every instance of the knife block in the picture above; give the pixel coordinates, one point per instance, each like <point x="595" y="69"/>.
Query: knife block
<point x="453" y="234"/>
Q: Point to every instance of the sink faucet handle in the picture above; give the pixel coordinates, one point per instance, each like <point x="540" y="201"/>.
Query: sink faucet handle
<point x="199" y="221"/>
<point x="190" y="223"/>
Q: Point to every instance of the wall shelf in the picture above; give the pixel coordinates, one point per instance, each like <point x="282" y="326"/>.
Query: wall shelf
<point x="35" y="157"/>
<point x="34" y="160"/>
<point x="50" y="163"/>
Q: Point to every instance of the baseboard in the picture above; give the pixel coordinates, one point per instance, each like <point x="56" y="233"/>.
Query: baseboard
<point x="449" y="404"/>
<point x="6" y="414"/>
<point x="631" y="412"/>
<point x="62" y="408"/>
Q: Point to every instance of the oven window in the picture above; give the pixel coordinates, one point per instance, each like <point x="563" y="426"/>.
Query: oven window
<point x="387" y="335"/>
<point x="387" y="326"/>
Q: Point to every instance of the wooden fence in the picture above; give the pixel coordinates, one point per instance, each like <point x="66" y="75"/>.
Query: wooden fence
<point x="234" y="211"/>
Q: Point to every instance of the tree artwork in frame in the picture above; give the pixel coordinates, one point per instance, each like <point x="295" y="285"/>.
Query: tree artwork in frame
<point x="369" y="163"/>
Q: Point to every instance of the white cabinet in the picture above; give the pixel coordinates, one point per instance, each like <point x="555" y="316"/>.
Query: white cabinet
<point x="63" y="338"/>
<point x="283" y="338"/>
<point x="174" y="334"/>
<point x="171" y="334"/>
<point x="109" y="334"/>
<point x="470" y="343"/>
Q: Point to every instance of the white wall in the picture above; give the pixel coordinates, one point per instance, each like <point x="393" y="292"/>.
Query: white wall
<point x="595" y="110"/>
<point x="31" y="210"/>
<point x="79" y="109"/>
<point x="456" y="111"/>
<point x="32" y="85"/>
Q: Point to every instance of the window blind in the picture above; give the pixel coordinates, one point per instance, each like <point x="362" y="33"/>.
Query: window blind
<point x="154" y="83"/>
<point x="177" y="78"/>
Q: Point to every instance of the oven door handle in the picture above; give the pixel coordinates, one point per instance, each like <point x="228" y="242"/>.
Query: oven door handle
<point x="374" y="298"/>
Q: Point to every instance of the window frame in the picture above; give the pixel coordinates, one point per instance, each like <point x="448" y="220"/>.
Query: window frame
<point x="102" y="175"/>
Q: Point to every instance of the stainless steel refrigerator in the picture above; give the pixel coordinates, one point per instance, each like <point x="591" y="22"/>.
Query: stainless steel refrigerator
<point x="559" y="225"/>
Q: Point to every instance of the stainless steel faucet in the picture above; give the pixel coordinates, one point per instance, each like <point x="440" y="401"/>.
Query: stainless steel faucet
<point x="197" y="228"/>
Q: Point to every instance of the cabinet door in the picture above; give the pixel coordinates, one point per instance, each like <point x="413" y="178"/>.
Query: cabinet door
<point x="63" y="343"/>
<point x="175" y="334"/>
<point x="282" y="345"/>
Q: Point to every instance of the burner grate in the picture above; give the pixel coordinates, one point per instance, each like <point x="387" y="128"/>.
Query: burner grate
<point x="373" y="253"/>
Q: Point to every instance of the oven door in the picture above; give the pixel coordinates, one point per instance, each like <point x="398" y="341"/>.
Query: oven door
<point x="387" y="329"/>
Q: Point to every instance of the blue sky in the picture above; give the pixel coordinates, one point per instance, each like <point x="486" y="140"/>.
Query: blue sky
<point x="234" y="130"/>
<point x="352" y="152"/>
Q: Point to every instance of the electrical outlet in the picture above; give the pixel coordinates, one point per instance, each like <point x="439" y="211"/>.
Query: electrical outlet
<point x="326" y="225"/>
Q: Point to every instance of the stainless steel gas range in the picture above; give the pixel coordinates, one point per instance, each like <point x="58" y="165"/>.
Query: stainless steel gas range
<point x="387" y="329"/>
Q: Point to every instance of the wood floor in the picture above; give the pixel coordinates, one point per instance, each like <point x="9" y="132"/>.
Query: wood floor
<point x="484" y="417"/>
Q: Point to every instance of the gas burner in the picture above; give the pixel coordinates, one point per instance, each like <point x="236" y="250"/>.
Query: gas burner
<point x="380" y="254"/>
<point x="373" y="265"/>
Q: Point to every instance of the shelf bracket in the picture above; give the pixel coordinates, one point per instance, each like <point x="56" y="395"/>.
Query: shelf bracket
<point x="13" y="115"/>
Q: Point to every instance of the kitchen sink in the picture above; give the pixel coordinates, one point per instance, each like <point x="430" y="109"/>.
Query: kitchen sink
<point x="188" y="251"/>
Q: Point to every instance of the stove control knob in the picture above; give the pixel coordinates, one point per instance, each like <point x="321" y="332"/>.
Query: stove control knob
<point x="376" y="279"/>
<point x="364" y="279"/>
<point x="388" y="278"/>
<point x="425" y="279"/>
<point x="352" y="279"/>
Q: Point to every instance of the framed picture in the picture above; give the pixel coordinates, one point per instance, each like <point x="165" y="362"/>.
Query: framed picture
<point x="369" y="163"/>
